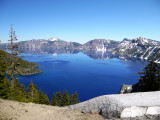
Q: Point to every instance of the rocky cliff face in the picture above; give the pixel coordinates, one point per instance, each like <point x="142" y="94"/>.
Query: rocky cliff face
<point x="138" y="48"/>
<point x="141" y="48"/>
<point x="52" y="45"/>
<point x="102" y="45"/>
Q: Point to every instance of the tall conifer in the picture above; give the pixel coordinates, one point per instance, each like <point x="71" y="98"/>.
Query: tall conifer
<point x="65" y="98"/>
<point x="4" y="82"/>
<point x="54" y="101"/>
<point x="150" y="77"/>
<point x="32" y="93"/>
<point x="59" y="98"/>
<point x="74" y="98"/>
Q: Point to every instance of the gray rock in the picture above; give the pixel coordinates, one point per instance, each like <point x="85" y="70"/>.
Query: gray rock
<point x="111" y="106"/>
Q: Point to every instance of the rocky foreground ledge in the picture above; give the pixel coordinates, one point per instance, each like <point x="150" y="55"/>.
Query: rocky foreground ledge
<point x="134" y="106"/>
<point x="11" y="110"/>
<point x="143" y="105"/>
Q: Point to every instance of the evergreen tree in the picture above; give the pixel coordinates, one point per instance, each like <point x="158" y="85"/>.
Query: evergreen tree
<point x="35" y="94"/>
<point x="14" y="52"/>
<point x="23" y="93"/>
<point x="46" y="99"/>
<point x="32" y="93"/>
<point x="65" y="98"/>
<point x="59" y="98"/>
<point x="17" y="92"/>
<point x="150" y="77"/>
<point x="54" y="101"/>
<point x="40" y="97"/>
<point x="43" y="98"/>
<point x="4" y="88"/>
<point x="4" y="82"/>
<point x="74" y="98"/>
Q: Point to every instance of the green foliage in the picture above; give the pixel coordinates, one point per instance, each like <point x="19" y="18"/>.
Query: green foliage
<point x="43" y="98"/>
<point x="54" y="101"/>
<point x="150" y="77"/>
<point x="40" y="97"/>
<point x="46" y="99"/>
<point x="65" y="98"/>
<point x="23" y="93"/>
<point x="74" y="98"/>
<point x="3" y="65"/>
<point x="17" y="92"/>
<point x="4" y="82"/>
<point x="59" y="98"/>
<point x="4" y="88"/>
<point x="20" y="66"/>
<point x="32" y="94"/>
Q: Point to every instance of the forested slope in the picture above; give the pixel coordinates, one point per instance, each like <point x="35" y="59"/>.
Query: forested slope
<point x="24" y="67"/>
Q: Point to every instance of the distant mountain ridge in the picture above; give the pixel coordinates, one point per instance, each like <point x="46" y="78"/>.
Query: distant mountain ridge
<point x="140" y="48"/>
<point x="100" y="45"/>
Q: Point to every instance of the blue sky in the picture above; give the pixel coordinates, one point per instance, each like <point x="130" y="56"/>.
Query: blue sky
<point x="80" y="20"/>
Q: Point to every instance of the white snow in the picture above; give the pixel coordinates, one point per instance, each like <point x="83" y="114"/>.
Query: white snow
<point x="140" y="111"/>
<point x="149" y="53"/>
<point x="54" y="54"/>
<point x="53" y="39"/>
<point x="103" y="49"/>
<point x="153" y="110"/>
<point x="133" y="112"/>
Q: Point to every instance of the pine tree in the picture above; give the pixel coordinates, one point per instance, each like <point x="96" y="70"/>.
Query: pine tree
<point x="23" y="93"/>
<point x="40" y="97"/>
<point x="32" y="93"/>
<point x="54" y="101"/>
<point x="36" y="98"/>
<point x="14" y="53"/>
<point x="74" y="98"/>
<point x="59" y="98"/>
<point x="65" y="98"/>
<point x="4" y="82"/>
<point x="150" y="77"/>
<point x="43" y="98"/>
<point x="17" y="92"/>
<point x="46" y="99"/>
<point x="4" y="88"/>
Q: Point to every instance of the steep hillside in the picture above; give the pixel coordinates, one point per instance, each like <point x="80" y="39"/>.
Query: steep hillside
<point x="24" y="67"/>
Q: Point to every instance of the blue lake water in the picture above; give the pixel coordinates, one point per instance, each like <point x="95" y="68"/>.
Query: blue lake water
<point x="78" y="72"/>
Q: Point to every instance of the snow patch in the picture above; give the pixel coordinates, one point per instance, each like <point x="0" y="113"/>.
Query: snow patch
<point x="53" y="39"/>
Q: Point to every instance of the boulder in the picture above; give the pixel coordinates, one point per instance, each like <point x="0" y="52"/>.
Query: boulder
<point x="111" y="106"/>
<point x="133" y="112"/>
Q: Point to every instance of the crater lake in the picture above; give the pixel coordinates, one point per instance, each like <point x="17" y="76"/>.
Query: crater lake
<point x="89" y="76"/>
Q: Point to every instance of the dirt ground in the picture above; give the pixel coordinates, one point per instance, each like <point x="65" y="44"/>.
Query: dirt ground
<point x="11" y="110"/>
